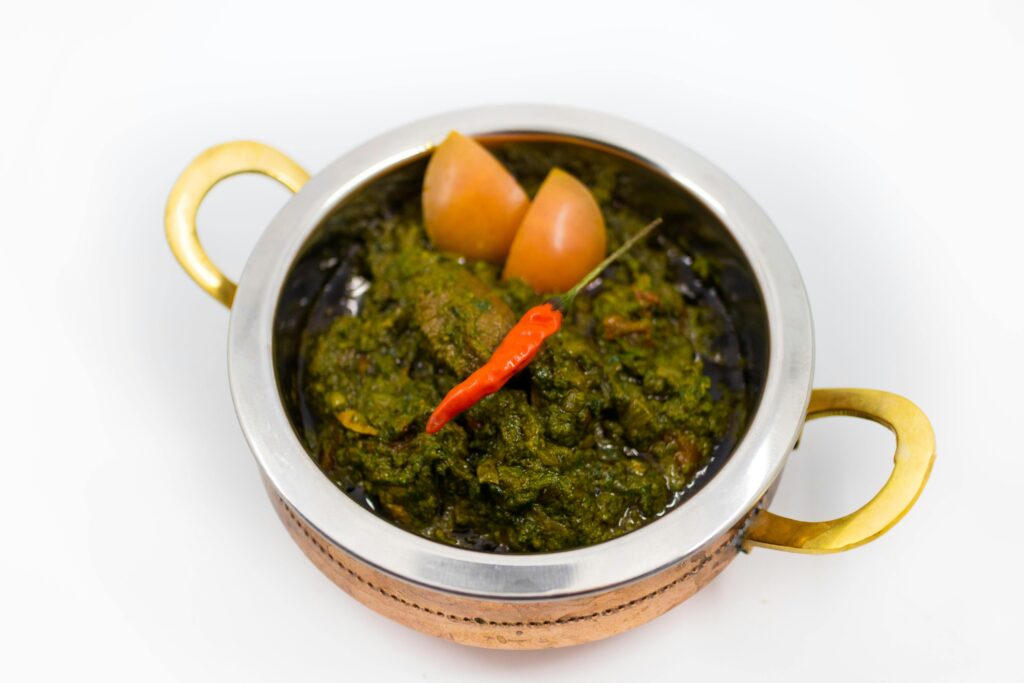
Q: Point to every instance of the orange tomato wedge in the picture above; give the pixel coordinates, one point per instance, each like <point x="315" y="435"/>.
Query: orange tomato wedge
<point x="472" y="205"/>
<point x="562" y="237"/>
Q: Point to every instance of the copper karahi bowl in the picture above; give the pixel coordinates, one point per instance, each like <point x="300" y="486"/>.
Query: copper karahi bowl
<point x="543" y="600"/>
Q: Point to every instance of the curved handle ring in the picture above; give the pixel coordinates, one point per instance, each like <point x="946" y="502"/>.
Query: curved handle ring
<point x="198" y="178"/>
<point x="915" y="453"/>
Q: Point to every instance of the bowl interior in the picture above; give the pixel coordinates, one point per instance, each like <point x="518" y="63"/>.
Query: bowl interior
<point x="326" y="277"/>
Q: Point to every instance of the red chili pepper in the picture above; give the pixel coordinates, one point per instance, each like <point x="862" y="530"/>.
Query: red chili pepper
<point x="519" y="346"/>
<point x="514" y="352"/>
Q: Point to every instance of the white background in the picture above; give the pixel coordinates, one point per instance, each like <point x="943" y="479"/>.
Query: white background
<point x="884" y="139"/>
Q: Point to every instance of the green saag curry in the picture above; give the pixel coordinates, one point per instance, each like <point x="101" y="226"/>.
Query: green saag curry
<point x="601" y="434"/>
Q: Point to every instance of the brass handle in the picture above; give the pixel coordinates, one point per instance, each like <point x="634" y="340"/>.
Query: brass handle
<point x="915" y="453"/>
<point x="198" y="178"/>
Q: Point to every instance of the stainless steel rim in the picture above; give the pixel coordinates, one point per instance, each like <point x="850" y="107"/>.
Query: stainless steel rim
<point x="720" y="504"/>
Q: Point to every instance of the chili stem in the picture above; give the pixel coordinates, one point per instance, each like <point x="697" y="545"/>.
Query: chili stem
<point x="563" y="301"/>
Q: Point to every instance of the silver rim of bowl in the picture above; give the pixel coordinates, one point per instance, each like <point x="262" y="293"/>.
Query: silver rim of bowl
<point x="713" y="510"/>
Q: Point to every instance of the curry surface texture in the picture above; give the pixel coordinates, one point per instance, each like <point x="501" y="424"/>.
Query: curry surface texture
<point x="601" y="434"/>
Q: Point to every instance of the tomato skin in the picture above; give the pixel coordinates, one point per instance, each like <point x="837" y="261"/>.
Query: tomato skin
<point x="472" y="205"/>
<point x="562" y="237"/>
